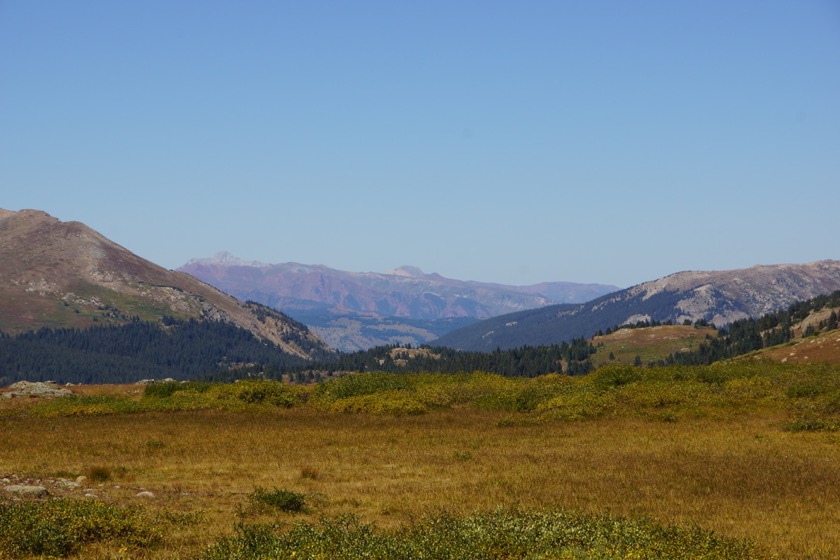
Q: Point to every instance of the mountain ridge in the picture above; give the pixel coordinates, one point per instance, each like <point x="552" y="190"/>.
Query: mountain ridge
<point x="65" y="274"/>
<point x="718" y="297"/>
<point x="359" y="310"/>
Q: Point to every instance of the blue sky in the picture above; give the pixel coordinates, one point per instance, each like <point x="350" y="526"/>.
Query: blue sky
<point x="513" y="142"/>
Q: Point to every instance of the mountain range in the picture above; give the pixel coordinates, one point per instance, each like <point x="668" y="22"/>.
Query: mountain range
<point x="64" y="274"/>
<point x="360" y="310"/>
<point x="717" y="297"/>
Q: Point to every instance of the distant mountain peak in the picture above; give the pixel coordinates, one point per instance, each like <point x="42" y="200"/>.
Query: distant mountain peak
<point x="225" y="258"/>
<point x="719" y="297"/>
<point x="358" y="310"/>
<point x="407" y="270"/>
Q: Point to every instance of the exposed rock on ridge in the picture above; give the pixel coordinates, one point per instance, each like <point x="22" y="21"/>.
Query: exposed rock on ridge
<point x="718" y="297"/>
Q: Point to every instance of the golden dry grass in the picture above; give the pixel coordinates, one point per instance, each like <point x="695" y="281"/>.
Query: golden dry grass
<point x="740" y="476"/>
<point x="651" y="344"/>
<point x="823" y="348"/>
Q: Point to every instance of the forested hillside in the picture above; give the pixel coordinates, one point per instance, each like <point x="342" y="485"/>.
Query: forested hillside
<point x="719" y="297"/>
<point x="528" y="361"/>
<point x="128" y="353"/>
<point x="748" y="335"/>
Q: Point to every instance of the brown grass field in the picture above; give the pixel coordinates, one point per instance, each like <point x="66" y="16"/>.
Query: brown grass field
<point x="823" y="348"/>
<point x="651" y="344"/>
<point x="739" y="475"/>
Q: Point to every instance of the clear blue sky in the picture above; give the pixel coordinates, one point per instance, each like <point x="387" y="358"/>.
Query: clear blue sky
<point x="513" y="142"/>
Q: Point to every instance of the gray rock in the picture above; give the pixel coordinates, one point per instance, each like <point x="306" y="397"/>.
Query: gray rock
<point x="35" y="389"/>
<point x="21" y="490"/>
<point x="145" y="494"/>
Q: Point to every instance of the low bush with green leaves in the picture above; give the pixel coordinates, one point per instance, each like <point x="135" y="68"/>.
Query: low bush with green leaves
<point x="164" y="389"/>
<point x="62" y="527"/>
<point x="278" y="498"/>
<point x="502" y="534"/>
<point x="809" y="394"/>
<point x="260" y="392"/>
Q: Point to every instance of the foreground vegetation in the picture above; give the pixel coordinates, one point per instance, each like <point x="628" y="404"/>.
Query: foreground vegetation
<point x="498" y="534"/>
<point x="808" y="395"/>
<point x="622" y="463"/>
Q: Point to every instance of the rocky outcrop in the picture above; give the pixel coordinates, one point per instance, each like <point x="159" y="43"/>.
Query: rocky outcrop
<point x="30" y="389"/>
<point x="27" y="490"/>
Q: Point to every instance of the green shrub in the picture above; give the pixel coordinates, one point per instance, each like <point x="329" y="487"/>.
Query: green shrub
<point x="62" y="527"/>
<point x="806" y="390"/>
<point x="578" y="403"/>
<point x="812" y="424"/>
<point x="499" y="535"/>
<point x="98" y="474"/>
<point x="96" y="405"/>
<point x="262" y="392"/>
<point x="395" y="403"/>
<point x="161" y="389"/>
<point x="664" y="394"/>
<point x="284" y="500"/>
<point x="360" y="384"/>
<point x="611" y="376"/>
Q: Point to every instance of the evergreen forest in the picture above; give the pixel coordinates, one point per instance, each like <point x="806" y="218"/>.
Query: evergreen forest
<point x="221" y="351"/>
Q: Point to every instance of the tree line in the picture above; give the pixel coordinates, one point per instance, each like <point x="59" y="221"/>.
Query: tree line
<point x="127" y="353"/>
<point x="214" y="350"/>
<point x="529" y="361"/>
<point x="748" y="335"/>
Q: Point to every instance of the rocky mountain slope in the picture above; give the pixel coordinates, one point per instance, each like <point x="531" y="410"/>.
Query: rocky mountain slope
<point x="718" y="297"/>
<point x="64" y="274"/>
<point x="359" y="310"/>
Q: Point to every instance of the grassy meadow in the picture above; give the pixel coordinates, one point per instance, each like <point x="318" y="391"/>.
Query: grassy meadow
<point x="731" y="461"/>
<point x="650" y="344"/>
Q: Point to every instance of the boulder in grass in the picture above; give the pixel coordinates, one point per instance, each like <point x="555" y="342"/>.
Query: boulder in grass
<point x="27" y="491"/>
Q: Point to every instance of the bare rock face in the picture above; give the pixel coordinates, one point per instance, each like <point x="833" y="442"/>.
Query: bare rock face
<point x="725" y="296"/>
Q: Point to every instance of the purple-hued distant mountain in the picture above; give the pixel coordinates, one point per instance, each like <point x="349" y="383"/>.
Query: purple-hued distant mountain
<point x="355" y="310"/>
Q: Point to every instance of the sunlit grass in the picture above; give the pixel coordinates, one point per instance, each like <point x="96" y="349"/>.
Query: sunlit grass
<point x="679" y="446"/>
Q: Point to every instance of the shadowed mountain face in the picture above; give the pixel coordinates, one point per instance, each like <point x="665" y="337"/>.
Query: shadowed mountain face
<point x="354" y="310"/>
<point x="64" y="274"/>
<point x="718" y="297"/>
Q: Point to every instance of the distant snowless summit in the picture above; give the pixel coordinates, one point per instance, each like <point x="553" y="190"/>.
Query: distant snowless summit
<point x="224" y="258"/>
<point x="718" y="297"/>
<point x="406" y="291"/>
<point x="356" y="310"/>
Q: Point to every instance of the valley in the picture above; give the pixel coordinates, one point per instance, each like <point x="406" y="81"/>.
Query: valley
<point x="360" y="310"/>
<point x="625" y="426"/>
